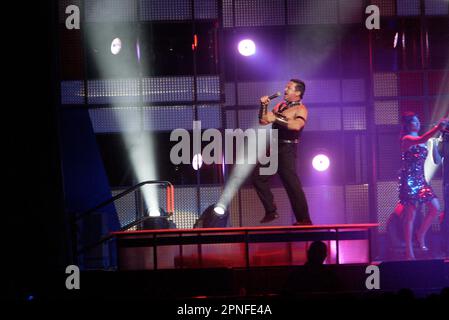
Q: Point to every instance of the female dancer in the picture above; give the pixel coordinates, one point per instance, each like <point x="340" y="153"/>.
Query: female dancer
<point x="413" y="188"/>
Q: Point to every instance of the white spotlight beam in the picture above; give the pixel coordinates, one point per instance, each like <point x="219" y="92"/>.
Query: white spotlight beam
<point x="245" y="164"/>
<point x="140" y="147"/>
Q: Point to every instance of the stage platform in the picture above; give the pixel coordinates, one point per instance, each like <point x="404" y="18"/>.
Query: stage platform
<point x="243" y="247"/>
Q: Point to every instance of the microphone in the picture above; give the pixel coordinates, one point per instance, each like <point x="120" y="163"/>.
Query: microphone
<point x="263" y="106"/>
<point x="275" y="95"/>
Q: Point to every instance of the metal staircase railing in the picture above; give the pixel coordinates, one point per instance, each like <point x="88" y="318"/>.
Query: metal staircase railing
<point x="75" y="218"/>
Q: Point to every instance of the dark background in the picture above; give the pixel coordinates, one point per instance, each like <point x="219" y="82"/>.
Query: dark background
<point x="35" y="240"/>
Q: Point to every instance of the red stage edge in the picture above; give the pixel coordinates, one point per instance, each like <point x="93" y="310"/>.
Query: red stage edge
<point x="243" y="247"/>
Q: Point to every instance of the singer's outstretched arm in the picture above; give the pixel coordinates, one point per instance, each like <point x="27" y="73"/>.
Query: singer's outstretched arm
<point x="408" y="140"/>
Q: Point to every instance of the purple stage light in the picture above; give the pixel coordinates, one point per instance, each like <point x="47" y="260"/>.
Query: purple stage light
<point x="320" y="162"/>
<point x="247" y="47"/>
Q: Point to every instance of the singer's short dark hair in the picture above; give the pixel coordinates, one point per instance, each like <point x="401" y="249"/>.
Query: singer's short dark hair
<point x="300" y="86"/>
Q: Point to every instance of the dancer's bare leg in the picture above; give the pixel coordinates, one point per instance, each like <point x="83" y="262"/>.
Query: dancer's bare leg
<point x="409" y="218"/>
<point x="433" y="209"/>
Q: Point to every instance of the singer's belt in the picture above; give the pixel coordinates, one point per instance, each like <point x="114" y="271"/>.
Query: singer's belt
<point x="288" y="141"/>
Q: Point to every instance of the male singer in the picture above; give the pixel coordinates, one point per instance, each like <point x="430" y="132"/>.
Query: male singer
<point x="289" y="118"/>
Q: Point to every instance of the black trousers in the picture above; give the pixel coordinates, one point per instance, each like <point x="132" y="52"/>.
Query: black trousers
<point x="287" y="154"/>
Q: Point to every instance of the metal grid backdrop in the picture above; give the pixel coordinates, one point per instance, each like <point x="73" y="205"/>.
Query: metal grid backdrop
<point x="342" y="108"/>
<point x="250" y="13"/>
<point x="150" y="10"/>
<point x="152" y="118"/>
<point x="291" y="12"/>
<point x="411" y="7"/>
<point x="151" y="90"/>
<point x="327" y="204"/>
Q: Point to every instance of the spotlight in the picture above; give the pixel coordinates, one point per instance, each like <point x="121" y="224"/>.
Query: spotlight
<point x="153" y="212"/>
<point x="154" y="222"/>
<point x="220" y="209"/>
<point x="215" y="216"/>
<point x="116" y="46"/>
<point x="247" y="47"/>
<point x="320" y="162"/>
<point x="197" y="161"/>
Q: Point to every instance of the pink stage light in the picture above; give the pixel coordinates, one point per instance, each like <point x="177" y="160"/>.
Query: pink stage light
<point x="247" y="47"/>
<point x="321" y="162"/>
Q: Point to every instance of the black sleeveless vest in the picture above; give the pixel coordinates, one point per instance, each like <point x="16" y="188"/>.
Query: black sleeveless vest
<point x="283" y="132"/>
